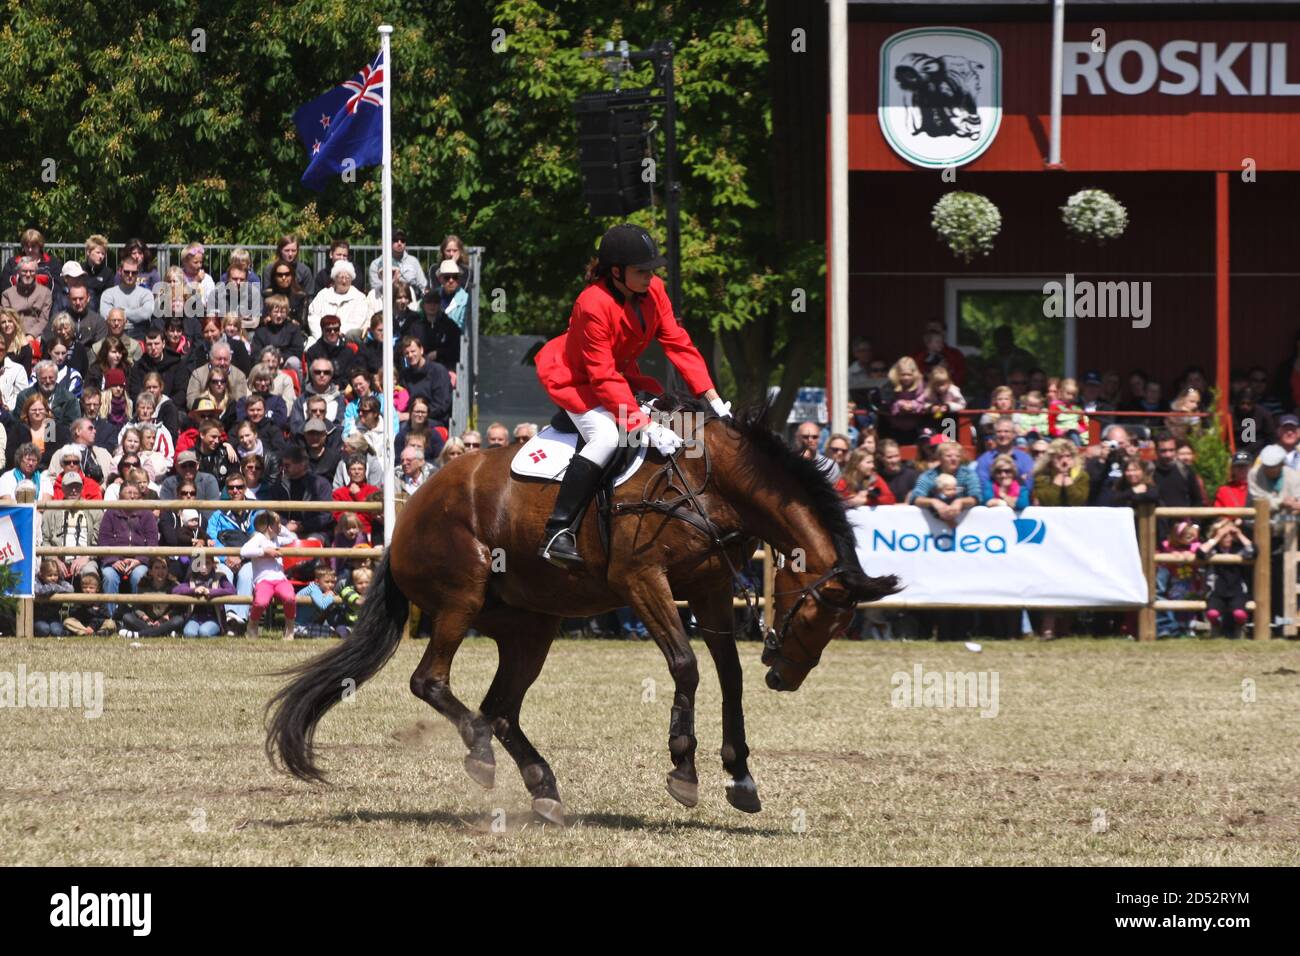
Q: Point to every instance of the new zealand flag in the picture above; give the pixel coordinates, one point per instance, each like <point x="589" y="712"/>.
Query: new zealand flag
<point x="346" y="123"/>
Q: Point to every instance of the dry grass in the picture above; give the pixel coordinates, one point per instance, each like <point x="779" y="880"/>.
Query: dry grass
<point x="1157" y="737"/>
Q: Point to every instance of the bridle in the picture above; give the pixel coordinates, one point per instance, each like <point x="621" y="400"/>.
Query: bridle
<point x="698" y="517"/>
<point x="774" y="640"/>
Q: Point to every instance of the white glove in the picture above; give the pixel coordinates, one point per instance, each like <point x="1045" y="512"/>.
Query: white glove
<point x="721" y="408"/>
<point x="665" y="440"/>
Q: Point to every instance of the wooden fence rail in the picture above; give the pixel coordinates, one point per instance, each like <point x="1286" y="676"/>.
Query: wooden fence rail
<point x="1147" y="517"/>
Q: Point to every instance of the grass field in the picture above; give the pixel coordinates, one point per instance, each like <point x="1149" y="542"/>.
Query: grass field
<point x="1102" y="752"/>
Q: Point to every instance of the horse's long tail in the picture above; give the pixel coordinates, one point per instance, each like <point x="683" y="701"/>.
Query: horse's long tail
<point x="323" y="681"/>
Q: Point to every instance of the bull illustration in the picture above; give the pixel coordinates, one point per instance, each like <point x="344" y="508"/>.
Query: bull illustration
<point x="941" y="94"/>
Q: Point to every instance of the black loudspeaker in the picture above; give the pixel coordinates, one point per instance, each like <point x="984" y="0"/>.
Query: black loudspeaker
<point x="612" y="136"/>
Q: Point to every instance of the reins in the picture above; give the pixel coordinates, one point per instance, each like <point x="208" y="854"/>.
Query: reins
<point x="698" y="518"/>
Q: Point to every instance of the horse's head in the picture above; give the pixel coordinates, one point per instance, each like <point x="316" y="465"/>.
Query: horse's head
<point x="807" y="611"/>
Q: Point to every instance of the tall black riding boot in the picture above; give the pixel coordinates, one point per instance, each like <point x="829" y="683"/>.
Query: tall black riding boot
<point x="559" y="541"/>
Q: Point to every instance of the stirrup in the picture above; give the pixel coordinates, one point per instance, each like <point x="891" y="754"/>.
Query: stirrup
<point x="561" y="549"/>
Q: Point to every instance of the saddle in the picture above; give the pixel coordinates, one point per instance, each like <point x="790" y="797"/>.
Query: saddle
<point x="618" y="463"/>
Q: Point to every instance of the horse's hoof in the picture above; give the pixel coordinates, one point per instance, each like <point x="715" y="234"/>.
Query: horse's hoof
<point x="685" y="792"/>
<point x="743" y="795"/>
<point x="482" y="772"/>
<point x="551" y="811"/>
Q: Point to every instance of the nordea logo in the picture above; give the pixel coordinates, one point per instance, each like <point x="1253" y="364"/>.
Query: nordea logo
<point x="1028" y="531"/>
<point x="944" y="541"/>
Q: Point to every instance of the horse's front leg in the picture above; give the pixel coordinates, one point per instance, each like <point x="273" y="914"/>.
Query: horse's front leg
<point x="652" y="599"/>
<point x="714" y="615"/>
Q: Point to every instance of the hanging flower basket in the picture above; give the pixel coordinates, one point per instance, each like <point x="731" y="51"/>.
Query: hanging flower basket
<point x="1094" y="215"/>
<point x="967" y="222"/>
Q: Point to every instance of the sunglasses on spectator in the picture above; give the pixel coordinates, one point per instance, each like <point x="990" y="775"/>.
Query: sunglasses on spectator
<point x="239" y="487"/>
<point x="281" y="272"/>
<point x="188" y="494"/>
<point x="322" y="371"/>
<point x="130" y="272"/>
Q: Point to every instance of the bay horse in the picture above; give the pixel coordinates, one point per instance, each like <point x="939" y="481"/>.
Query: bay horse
<point x="465" y="552"/>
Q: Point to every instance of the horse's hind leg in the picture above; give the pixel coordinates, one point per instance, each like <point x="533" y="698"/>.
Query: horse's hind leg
<point x="523" y="641"/>
<point x="714" y="614"/>
<point x="431" y="682"/>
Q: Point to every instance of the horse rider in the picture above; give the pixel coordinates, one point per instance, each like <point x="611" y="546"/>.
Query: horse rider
<point x="590" y="371"/>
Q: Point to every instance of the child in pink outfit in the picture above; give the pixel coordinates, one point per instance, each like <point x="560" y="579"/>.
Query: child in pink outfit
<point x="269" y="581"/>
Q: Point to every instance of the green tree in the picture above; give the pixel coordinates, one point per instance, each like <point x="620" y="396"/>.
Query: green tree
<point x="174" y="123"/>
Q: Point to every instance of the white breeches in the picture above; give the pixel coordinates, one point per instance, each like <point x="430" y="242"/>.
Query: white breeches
<point x="600" y="430"/>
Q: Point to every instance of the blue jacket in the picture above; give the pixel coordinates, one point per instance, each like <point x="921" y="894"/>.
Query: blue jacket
<point x="968" y="484"/>
<point x="229" y="521"/>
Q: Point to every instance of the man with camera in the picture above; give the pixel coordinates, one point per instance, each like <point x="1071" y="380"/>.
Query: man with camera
<point x="1106" y="460"/>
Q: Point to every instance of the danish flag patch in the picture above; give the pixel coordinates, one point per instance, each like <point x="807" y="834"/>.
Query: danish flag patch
<point x="537" y="456"/>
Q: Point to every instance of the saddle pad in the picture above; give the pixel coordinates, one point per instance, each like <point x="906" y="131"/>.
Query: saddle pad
<point x="547" y="454"/>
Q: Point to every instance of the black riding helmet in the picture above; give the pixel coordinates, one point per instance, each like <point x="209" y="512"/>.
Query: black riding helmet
<point x="629" y="245"/>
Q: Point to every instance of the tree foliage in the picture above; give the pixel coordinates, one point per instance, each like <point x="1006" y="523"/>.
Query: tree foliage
<point x="172" y="122"/>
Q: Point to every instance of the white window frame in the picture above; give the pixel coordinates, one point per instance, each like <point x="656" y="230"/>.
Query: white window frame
<point x="953" y="287"/>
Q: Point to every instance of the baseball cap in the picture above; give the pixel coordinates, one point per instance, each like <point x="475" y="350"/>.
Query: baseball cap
<point x="72" y="270"/>
<point x="190" y="514"/>
<point x="1241" y="458"/>
<point x="1092" y="377"/>
<point x="399" y="235"/>
<point x="71" y="478"/>
<point x="629" y="245"/>
<point x="1288" y="421"/>
<point x="113" y="377"/>
<point x="314" y="425"/>
<point x="187" y="456"/>
<point x="1271" y="456"/>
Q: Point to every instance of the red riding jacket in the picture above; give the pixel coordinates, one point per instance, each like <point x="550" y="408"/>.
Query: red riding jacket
<point x="593" y="364"/>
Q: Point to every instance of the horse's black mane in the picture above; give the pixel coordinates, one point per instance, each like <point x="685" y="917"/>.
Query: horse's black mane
<point x="826" y="503"/>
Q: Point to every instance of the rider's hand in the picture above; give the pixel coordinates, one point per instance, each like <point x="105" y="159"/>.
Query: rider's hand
<point x="665" y="440"/>
<point x="721" y="409"/>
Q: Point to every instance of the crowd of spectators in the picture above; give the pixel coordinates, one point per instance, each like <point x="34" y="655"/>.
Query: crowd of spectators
<point x="948" y="432"/>
<point x="212" y="382"/>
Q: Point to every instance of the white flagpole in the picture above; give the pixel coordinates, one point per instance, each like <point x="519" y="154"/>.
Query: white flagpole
<point x="390" y="466"/>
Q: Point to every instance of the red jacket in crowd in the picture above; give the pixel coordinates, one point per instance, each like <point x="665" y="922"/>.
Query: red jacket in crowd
<point x="1232" y="495"/>
<point x="886" y="497"/>
<point x="593" y="364"/>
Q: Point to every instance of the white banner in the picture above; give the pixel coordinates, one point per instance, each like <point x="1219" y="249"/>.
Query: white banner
<point x="1043" y="557"/>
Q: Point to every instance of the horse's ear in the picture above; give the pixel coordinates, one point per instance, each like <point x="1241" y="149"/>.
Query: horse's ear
<point x="864" y="587"/>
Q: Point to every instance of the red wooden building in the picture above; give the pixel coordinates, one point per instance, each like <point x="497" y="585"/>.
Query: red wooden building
<point x="1188" y="113"/>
